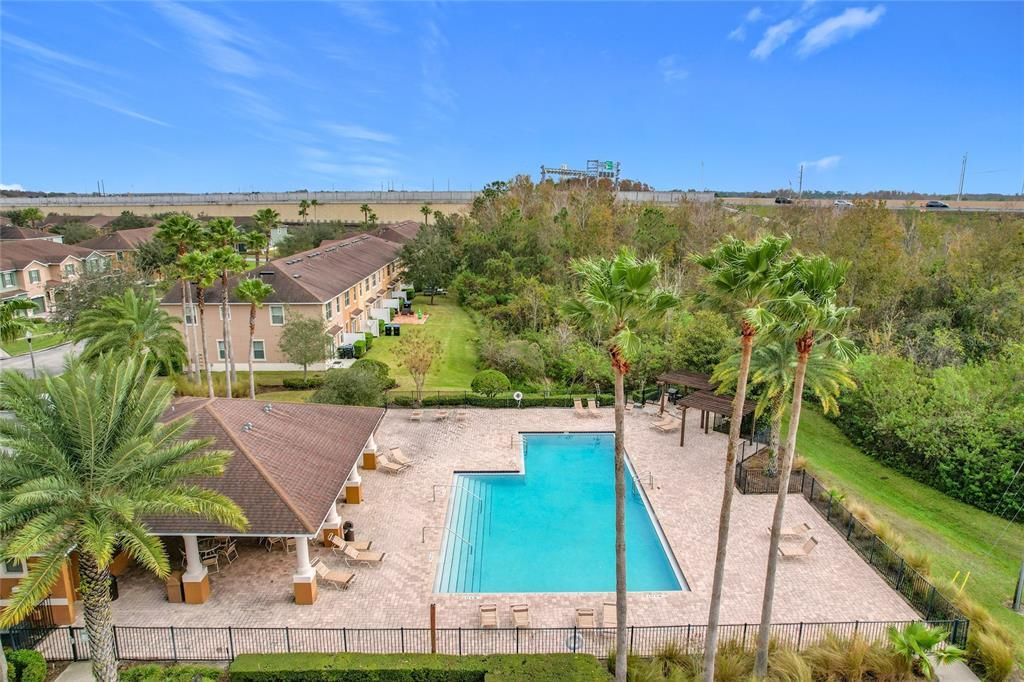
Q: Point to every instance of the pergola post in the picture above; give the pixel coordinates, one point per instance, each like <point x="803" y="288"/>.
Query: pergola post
<point x="304" y="580"/>
<point x="196" y="580"/>
<point x="682" y="427"/>
<point x="661" y="410"/>
<point x="370" y="454"/>
<point x="354" y="486"/>
<point x="332" y="525"/>
<point x="707" y="421"/>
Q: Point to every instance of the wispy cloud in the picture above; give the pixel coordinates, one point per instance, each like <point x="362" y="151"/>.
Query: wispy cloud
<point x="755" y="14"/>
<point x="434" y="86"/>
<point x="775" y="36"/>
<point x="368" y="14"/>
<point x="322" y="162"/>
<point x="96" y="97"/>
<point x="840" y="27"/>
<point x="224" y="48"/>
<point x="824" y="163"/>
<point x="253" y="104"/>
<point x="739" y="34"/>
<point x="13" y="188"/>
<point x="358" y="132"/>
<point x="49" y="56"/>
<point x="671" y="70"/>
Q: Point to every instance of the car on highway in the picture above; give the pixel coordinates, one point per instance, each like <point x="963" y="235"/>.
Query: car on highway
<point x="936" y="204"/>
<point x="783" y="200"/>
<point x="842" y="203"/>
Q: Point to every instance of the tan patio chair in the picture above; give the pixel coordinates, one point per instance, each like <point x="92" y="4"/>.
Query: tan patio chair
<point x="577" y="406"/>
<point x="489" y="615"/>
<point x="440" y="415"/>
<point x="585" y="618"/>
<point x="229" y="551"/>
<point x="354" y="556"/>
<point x="396" y="455"/>
<point x="339" y="545"/>
<point x="461" y="415"/>
<point x="592" y="408"/>
<point x="416" y="416"/>
<point x="520" y="615"/>
<point x="340" y="579"/>
<point x="211" y="561"/>
<point x="665" y="427"/>
<point x="801" y="551"/>
<point x="609" y="616"/>
<point x="794" y="532"/>
<point x="389" y="466"/>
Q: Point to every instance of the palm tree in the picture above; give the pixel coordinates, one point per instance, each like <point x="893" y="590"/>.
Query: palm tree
<point x="183" y="233"/>
<point x="772" y="366"/>
<point x="12" y="324"/>
<point x="808" y="312"/>
<point x="130" y="326"/>
<point x="372" y="219"/>
<point x="304" y="211"/>
<point x="616" y="297"/>
<point x="425" y="210"/>
<point x="32" y="215"/>
<point x="256" y="241"/>
<point x="224" y="235"/>
<point x="365" y="210"/>
<point x="267" y="219"/>
<point x="253" y="292"/>
<point x="314" y="203"/>
<point x="742" y="277"/>
<point x="87" y="462"/>
<point x="200" y="269"/>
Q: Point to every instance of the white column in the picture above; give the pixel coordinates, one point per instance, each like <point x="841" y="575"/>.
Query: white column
<point x="371" y="445"/>
<point x="194" y="571"/>
<point x="303" y="570"/>
<point x="353" y="477"/>
<point x="333" y="520"/>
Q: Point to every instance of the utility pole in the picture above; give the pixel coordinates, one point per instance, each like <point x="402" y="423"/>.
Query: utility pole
<point x="800" y="192"/>
<point x="963" y="172"/>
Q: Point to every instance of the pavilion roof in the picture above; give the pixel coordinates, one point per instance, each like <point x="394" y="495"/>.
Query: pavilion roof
<point x="710" y="402"/>
<point x="682" y="377"/>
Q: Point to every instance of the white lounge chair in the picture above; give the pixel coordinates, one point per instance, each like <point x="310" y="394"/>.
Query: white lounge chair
<point x="585" y="618"/>
<point x="440" y="415"/>
<point x="520" y="615"/>
<point x="339" y="545"/>
<point x="339" y="579"/>
<point x="391" y="467"/>
<point x="398" y="457"/>
<point x="801" y="551"/>
<point x="577" y="406"/>
<point x="489" y="615"/>
<point x="354" y="556"/>
<point x="609" y="616"/>
<point x="796" y="532"/>
<point x="416" y="416"/>
<point x="592" y="408"/>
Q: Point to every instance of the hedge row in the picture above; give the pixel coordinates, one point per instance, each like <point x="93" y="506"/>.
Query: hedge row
<point x="475" y="400"/>
<point x="154" y="672"/>
<point x="416" y="667"/>
<point x="25" y="665"/>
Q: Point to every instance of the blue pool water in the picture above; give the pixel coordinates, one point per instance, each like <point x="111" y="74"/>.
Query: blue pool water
<point x="551" y="529"/>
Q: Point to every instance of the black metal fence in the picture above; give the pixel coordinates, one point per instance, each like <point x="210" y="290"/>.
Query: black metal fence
<point x="470" y="399"/>
<point x="224" y="644"/>
<point x="751" y="479"/>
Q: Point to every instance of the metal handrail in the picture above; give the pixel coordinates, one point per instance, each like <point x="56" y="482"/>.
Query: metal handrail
<point x="434" y="488"/>
<point x="423" y="535"/>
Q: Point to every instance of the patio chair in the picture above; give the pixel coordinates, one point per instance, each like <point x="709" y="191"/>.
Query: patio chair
<point x="339" y="579"/>
<point x="211" y="561"/>
<point x="585" y="618"/>
<point x="354" y="556"/>
<point x="666" y="426"/>
<point x="396" y="455"/>
<point x="609" y="617"/>
<point x="461" y="415"/>
<point x="339" y="545"/>
<point x="391" y="467"/>
<point x="520" y="615"/>
<point x="416" y="416"/>
<point x="794" y="532"/>
<point x="489" y="616"/>
<point x="592" y="408"/>
<point x="801" y="551"/>
<point x="440" y="415"/>
<point x="577" y="406"/>
<point x="229" y="551"/>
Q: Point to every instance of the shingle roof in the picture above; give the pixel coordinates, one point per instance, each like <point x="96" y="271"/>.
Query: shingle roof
<point x="11" y="232"/>
<point x="316" y="275"/>
<point x="16" y="254"/>
<point x="400" y="233"/>
<point x="100" y="221"/>
<point x="286" y="471"/>
<point x="122" y="240"/>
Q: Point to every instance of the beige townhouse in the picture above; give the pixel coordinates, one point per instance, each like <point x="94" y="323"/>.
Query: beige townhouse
<point x="351" y="284"/>
<point x="35" y="269"/>
<point x="120" y="246"/>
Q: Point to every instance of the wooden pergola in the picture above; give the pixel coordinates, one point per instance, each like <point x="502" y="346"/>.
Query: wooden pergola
<point x="708" y="404"/>
<point x="681" y="377"/>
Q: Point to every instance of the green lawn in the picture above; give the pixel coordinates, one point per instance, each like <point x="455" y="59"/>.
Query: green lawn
<point x="43" y="336"/>
<point x="456" y="367"/>
<point x="957" y="536"/>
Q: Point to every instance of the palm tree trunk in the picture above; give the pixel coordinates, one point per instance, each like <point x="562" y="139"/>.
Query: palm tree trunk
<point x="774" y="438"/>
<point x="229" y="365"/>
<point x="724" y="517"/>
<point x="205" y="358"/>
<point x="252" y="359"/>
<point x="3" y="664"/>
<point x="764" y="632"/>
<point x="621" y="651"/>
<point x="184" y="322"/>
<point x="99" y="624"/>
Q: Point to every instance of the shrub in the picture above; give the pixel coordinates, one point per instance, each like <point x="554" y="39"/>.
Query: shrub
<point x="382" y="370"/>
<point x="353" y="386"/>
<point x="490" y="382"/>
<point x="182" y="386"/>
<point x="297" y="383"/>
<point x="153" y="672"/>
<point x="359" y="348"/>
<point x="992" y="655"/>
<point x="380" y="326"/>
<point x="369" y="341"/>
<point x="26" y="665"/>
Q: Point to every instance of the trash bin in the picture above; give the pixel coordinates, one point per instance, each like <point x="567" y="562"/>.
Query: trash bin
<point x="113" y="588"/>
<point x="388" y="330"/>
<point x="175" y="592"/>
<point x="397" y="329"/>
<point x="350" y="535"/>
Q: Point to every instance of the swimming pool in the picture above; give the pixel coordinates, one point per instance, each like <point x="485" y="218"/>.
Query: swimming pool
<point x="552" y="528"/>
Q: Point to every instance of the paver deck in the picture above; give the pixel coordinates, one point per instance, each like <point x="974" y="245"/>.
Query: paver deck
<point x="832" y="584"/>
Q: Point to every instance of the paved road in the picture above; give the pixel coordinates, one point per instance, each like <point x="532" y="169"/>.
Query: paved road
<point x="50" y="360"/>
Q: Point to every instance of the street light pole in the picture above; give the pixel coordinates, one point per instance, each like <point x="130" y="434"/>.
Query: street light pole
<point x="31" y="355"/>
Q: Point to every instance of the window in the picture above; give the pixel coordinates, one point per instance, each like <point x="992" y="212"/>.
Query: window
<point x="33" y="276"/>
<point x="259" y="351"/>
<point x="9" y="279"/>
<point x="277" y="315"/>
<point x="13" y="567"/>
<point x="40" y="302"/>
<point x="190" y="314"/>
<point x="220" y="349"/>
<point x="346" y="299"/>
<point x="327" y="310"/>
<point x="120" y="255"/>
<point x="337" y="304"/>
<point x="375" y="279"/>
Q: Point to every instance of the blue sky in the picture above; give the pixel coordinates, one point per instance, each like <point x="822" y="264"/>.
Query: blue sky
<point x="274" y="96"/>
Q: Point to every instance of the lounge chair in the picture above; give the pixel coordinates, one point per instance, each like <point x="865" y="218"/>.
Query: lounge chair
<point x="577" y="405"/>
<point x="440" y="415"/>
<point x="489" y="615"/>
<point x="398" y="457"/>
<point x="461" y="415"/>
<point x="585" y="618"/>
<point x="520" y="615"/>
<point x="389" y="466"/>
<point x="794" y="532"/>
<point x="416" y="416"/>
<point x="354" y="556"/>
<point x="669" y="425"/>
<point x="609" y="616"/>
<point x="339" y="545"/>
<point x="592" y="408"/>
<point x="340" y="579"/>
<point x="801" y="551"/>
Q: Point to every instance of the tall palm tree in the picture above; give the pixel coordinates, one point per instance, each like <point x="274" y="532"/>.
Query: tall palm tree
<point x="425" y="210"/>
<point x="12" y="324"/>
<point x="183" y="233"/>
<point x="616" y="297"/>
<point x="267" y="219"/>
<point x="807" y="313"/>
<point x="313" y="204"/>
<point x="256" y="241"/>
<point x="200" y="269"/>
<point x="32" y="215"/>
<point x="304" y="211"/>
<point x="225" y="236"/>
<point x="365" y="210"/>
<point x="742" y="277"/>
<point x="254" y="292"/>
<point x="772" y="366"/>
<point x="131" y="326"/>
<point x="87" y="461"/>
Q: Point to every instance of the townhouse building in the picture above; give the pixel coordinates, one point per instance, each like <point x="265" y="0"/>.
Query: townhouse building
<point x="36" y="268"/>
<point x="120" y="246"/>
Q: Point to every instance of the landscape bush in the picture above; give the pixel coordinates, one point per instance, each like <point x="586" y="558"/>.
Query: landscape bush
<point x="353" y="386"/>
<point x="359" y="348"/>
<point x="490" y="382"/>
<point x="25" y="665"/>
<point x="183" y="386"/>
<point x="380" y="326"/>
<point x="298" y="384"/>
<point x="154" y="672"/>
<point x="381" y="369"/>
<point x="417" y="667"/>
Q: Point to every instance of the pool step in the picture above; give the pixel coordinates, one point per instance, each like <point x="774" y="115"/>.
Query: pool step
<point x="460" y="562"/>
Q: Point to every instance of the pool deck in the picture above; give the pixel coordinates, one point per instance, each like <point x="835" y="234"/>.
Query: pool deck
<point x="832" y="584"/>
